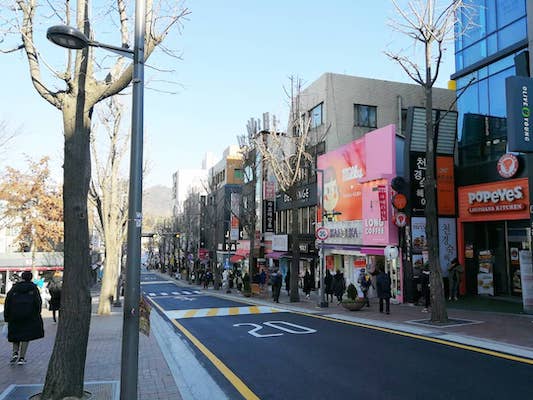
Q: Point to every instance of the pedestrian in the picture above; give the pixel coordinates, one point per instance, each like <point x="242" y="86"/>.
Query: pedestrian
<point x="384" y="292"/>
<point x="454" y="277"/>
<point x="54" y="287"/>
<point x="225" y="281"/>
<point x="328" y="284"/>
<point x="288" y="282"/>
<point x="425" y="283"/>
<point x="365" y="282"/>
<point x="262" y="279"/>
<point x="276" y="285"/>
<point x="308" y="283"/>
<point x="239" y="281"/>
<point x="22" y="313"/>
<point x="339" y="285"/>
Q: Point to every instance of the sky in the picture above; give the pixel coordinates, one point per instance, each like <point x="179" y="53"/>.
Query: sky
<point x="235" y="58"/>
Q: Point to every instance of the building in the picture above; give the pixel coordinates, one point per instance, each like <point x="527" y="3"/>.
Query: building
<point x="342" y="110"/>
<point x="493" y="185"/>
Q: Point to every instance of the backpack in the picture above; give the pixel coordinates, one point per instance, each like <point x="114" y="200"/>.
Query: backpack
<point x="21" y="305"/>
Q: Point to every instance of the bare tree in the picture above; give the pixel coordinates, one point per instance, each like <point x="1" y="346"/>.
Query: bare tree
<point x="6" y="136"/>
<point x="430" y="24"/>
<point x="108" y="195"/>
<point x="81" y="89"/>
<point x="287" y="158"/>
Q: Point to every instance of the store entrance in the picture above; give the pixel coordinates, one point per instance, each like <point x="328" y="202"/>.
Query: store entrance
<point x="492" y="248"/>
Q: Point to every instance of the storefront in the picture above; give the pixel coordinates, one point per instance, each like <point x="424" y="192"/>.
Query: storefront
<point x="493" y="227"/>
<point x="357" y="200"/>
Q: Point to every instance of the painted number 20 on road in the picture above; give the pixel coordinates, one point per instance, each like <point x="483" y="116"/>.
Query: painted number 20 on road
<point x="283" y="326"/>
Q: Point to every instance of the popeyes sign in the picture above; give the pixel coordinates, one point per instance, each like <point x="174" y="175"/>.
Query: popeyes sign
<point x="495" y="200"/>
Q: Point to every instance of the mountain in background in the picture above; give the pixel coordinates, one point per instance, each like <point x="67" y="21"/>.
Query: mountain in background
<point x="157" y="203"/>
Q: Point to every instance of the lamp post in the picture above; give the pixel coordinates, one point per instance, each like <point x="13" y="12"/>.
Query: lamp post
<point x="72" y="38"/>
<point x="323" y="302"/>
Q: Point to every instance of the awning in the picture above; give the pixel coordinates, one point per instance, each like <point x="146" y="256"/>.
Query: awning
<point x="236" y="258"/>
<point x="373" y="250"/>
<point x="275" y="255"/>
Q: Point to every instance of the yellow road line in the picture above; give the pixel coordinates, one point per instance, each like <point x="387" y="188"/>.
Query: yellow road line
<point x="190" y="313"/>
<point x="426" y="338"/>
<point x="241" y="387"/>
<point x="254" y="310"/>
<point x="233" y="311"/>
<point x="212" y="312"/>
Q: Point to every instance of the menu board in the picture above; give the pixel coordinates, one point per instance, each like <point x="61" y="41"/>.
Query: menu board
<point x="526" y="272"/>
<point x="485" y="278"/>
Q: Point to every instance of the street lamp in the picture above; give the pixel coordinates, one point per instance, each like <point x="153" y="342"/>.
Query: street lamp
<point x="71" y="38"/>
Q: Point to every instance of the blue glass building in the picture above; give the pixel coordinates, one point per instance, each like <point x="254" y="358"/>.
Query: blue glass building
<point x="489" y="239"/>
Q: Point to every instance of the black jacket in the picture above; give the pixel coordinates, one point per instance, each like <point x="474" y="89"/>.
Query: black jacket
<point x="383" y="286"/>
<point x="31" y="326"/>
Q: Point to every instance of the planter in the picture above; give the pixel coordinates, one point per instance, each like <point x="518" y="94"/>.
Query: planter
<point x="353" y="305"/>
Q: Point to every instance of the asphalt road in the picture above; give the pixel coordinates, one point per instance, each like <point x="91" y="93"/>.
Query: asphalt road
<point x="267" y="353"/>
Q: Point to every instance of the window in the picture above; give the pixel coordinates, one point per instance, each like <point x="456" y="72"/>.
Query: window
<point x="316" y="116"/>
<point x="238" y="174"/>
<point x="365" y="116"/>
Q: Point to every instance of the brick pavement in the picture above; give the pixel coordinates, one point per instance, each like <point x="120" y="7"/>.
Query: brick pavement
<point x="103" y="359"/>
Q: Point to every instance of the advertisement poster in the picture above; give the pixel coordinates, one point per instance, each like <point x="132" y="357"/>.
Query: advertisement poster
<point x="418" y="229"/>
<point x="418" y="264"/>
<point x="485" y="284"/>
<point x="447" y="243"/>
<point x="343" y="168"/>
<point x="445" y="186"/>
<point x="526" y="275"/>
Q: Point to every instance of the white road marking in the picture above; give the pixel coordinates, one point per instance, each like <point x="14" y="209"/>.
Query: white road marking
<point x="164" y="294"/>
<point x="220" y="312"/>
<point x="151" y="294"/>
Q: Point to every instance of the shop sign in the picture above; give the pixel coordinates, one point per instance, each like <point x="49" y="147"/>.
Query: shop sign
<point x="496" y="200"/>
<point x="519" y="132"/>
<point x="445" y="186"/>
<point x="268" y="215"/>
<point x="399" y="201"/>
<point x="418" y="179"/>
<point x="280" y="242"/>
<point x="382" y="197"/>
<point x="344" y="232"/>
<point x="507" y="165"/>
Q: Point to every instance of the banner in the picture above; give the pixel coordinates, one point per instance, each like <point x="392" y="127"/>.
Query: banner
<point x="234" y="218"/>
<point x="519" y="132"/>
<point x="447" y="243"/>
<point x="382" y="197"/>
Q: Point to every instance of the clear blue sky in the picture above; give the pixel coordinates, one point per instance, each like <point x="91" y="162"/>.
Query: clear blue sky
<point x="236" y="58"/>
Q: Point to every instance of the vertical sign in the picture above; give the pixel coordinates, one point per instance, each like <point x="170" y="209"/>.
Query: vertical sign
<point x="268" y="215"/>
<point x="519" y="132"/>
<point x="234" y="217"/>
<point x="445" y="186"/>
<point x="418" y="178"/>
<point x="382" y="197"/>
<point x="447" y="243"/>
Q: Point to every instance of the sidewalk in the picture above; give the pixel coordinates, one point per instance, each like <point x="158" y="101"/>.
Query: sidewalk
<point x="103" y="358"/>
<point x="500" y="331"/>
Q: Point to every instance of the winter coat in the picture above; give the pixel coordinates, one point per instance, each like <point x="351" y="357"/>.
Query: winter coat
<point x="277" y="280"/>
<point x="328" y="283"/>
<point x="29" y="327"/>
<point x="54" y="287"/>
<point x="383" y="286"/>
<point x="339" y="285"/>
<point x="308" y="282"/>
<point x="288" y="281"/>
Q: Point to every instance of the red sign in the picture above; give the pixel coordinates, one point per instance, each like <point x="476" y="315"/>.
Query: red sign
<point x="400" y="220"/>
<point x="399" y="201"/>
<point x="322" y="233"/>
<point x="507" y="165"/>
<point x="382" y="197"/>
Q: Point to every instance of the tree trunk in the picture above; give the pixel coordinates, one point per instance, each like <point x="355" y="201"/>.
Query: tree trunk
<point x="110" y="278"/>
<point x="66" y="368"/>
<point x="438" y="302"/>
<point x="295" y="261"/>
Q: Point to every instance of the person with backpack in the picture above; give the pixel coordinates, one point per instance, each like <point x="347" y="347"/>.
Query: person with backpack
<point x="22" y="313"/>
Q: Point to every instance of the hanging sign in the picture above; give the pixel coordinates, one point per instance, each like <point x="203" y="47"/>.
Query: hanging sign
<point x="382" y="197"/>
<point x="519" y="135"/>
<point x="399" y="201"/>
<point x="507" y="165"/>
<point x="400" y="220"/>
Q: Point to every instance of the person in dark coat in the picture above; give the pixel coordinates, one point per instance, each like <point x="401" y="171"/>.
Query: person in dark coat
<point x="424" y="280"/>
<point x="384" y="292"/>
<point x="277" y="279"/>
<point x="288" y="282"/>
<point x="308" y="283"/>
<point x="22" y="313"/>
<point x="54" y="288"/>
<point x="339" y="285"/>
<point x="328" y="284"/>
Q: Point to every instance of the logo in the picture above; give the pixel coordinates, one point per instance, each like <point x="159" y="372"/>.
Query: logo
<point x="400" y="220"/>
<point x="525" y="113"/>
<point x="507" y="165"/>
<point x="399" y="201"/>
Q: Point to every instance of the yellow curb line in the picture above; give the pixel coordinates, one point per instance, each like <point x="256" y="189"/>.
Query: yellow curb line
<point x="241" y="387"/>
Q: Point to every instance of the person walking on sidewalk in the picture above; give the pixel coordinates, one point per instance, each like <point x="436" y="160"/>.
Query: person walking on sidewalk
<point x="22" y="313"/>
<point x="454" y="277"/>
<point x="365" y="282"/>
<point x="424" y="281"/>
<point x="288" y="282"/>
<point x="384" y="293"/>
<point x="277" y="280"/>
<point x="339" y="285"/>
<point x="328" y="284"/>
<point x="54" y="287"/>
<point x="308" y="282"/>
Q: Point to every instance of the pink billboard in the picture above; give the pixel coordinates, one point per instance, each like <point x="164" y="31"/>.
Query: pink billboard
<point x="357" y="184"/>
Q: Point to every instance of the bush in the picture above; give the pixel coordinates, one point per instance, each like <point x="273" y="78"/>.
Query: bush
<point x="351" y="292"/>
